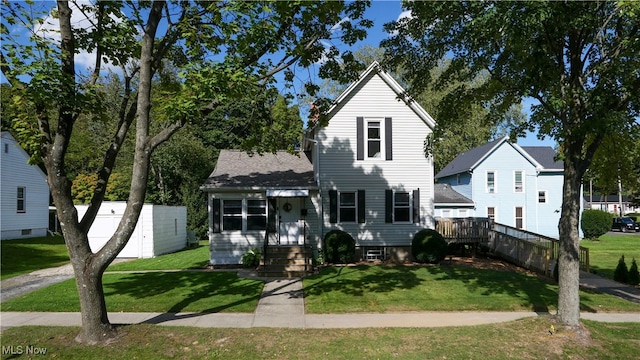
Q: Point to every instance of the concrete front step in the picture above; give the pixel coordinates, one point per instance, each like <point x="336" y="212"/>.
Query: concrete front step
<point x="286" y="261"/>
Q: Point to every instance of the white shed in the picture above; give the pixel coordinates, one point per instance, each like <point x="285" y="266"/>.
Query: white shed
<point x="160" y="229"/>
<point x="24" y="193"/>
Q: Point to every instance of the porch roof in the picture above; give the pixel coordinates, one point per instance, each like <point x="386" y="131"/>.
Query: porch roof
<point x="237" y="169"/>
<point x="445" y="195"/>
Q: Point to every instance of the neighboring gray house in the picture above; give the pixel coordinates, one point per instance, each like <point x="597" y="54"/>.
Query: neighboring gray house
<point x="24" y="193"/>
<point x="513" y="185"/>
<point x="364" y="173"/>
<point x="450" y="203"/>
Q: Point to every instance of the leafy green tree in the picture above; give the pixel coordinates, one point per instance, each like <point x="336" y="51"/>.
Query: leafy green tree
<point x="224" y="50"/>
<point x="579" y="60"/>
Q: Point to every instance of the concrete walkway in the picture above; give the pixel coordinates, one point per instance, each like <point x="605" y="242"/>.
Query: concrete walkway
<point x="282" y="306"/>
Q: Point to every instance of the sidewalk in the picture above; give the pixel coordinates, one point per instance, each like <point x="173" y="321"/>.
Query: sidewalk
<point x="282" y="306"/>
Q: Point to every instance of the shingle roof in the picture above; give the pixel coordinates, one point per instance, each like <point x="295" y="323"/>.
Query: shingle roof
<point x="237" y="169"/>
<point x="444" y="194"/>
<point x="543" y="155"/>
<point x="466" y="160"/>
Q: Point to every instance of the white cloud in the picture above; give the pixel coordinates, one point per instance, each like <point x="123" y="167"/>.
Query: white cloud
<point x="403" y="15"/>
<point x="85" y="61"/>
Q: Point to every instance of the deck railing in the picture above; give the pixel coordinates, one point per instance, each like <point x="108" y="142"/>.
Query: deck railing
<point x="464" y="230"/>
<point x="533" y="251"/>
<point x="522" y="246"/>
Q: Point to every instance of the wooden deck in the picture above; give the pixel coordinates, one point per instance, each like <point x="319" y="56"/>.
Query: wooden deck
<point x="533" y="251"/>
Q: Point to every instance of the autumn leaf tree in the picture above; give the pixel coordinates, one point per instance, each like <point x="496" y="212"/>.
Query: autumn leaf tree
<point x="579" y="61"/>
<point x="223" y="50"/>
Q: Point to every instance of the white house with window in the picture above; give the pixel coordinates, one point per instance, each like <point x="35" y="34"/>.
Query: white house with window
<point x="24" y="193"/>
<point x="513" y="185"/>
<point x="364" y="173"/>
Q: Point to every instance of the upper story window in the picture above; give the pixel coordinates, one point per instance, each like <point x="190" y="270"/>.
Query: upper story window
<point x="20" y="205"/>
<point x="491" y="181"/>
<point x="542" y="197"/>
<point x="374" y="139"/>
<point x="518" y="182"/>
<point x="347" y="206"/>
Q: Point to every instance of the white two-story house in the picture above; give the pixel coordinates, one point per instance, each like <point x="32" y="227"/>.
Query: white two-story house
<point x="365" y="173"/>
<point x="513" y="185"/>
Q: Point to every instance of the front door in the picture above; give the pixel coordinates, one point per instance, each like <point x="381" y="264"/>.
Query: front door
<point x="289" y="220"/>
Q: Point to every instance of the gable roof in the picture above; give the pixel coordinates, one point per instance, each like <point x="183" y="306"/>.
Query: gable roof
<point x="545" y="156"/>
<point x="542" y="157"/>
<point x="237" y="169"/>
<point x="443" y="194"/>
<point x="376" y="69"/>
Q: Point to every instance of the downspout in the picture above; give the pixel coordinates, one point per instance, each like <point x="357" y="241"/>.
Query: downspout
<point x="316" y="175"/>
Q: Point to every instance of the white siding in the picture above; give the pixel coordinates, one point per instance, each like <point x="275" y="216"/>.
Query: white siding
<point x="16" y="172"/>
<point x="409" y="170"/>
<point x="154" y="233"/>
<point x="227" y="247"/>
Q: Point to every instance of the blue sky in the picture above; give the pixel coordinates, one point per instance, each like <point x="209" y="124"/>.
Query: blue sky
<point x="382" y="11"/>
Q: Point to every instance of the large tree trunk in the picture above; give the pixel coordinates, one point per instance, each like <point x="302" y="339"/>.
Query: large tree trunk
<point x="569" y="257"/>
<point x="96" y="327"/>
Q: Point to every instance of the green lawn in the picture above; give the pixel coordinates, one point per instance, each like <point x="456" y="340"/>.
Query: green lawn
<point x="523" y="339"/>
<point x="185" y="291"/>
<point x="184" y="259"/>
<point x="378" y="288"/>
<point x="605" y="252"/>
<point x="23" y="256"/>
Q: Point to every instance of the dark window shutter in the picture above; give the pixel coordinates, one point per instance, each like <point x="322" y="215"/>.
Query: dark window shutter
<point x="361" y="207"/>
<point x="333" y="206"/>
<point x="271" y="223"/>
<point x="416" y="206"/>
<point x="216" y="215"/>
<point x="388" y="139"/>
<point x="388" y="206"/>
<point x="360" y="137"/>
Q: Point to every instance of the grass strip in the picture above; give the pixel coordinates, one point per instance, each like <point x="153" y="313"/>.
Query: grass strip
<point x="605" y="252"/>
<point x="187" y="291"/>
<point x="22" y="256"/>
<point x="195" y="258"/>
<point x="379" y="288"/>
<point x="523" y="339"/>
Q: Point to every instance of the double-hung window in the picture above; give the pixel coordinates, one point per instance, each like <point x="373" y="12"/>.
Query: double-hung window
<point x="519" y="217"/>
<point x="491" y="182"/>
<point x="518" y="183"/>
<point x="243" y="215"/>
<point x="347" y="206"/>
<point x="21" y="196"/>
<point x="231" y="215"/>
<point x="256" y="214"/>
<point x="491" y="213"/>
<point x="542" y="197"/>
<point x="401" y="207"/>
<point x="374" y="139"/>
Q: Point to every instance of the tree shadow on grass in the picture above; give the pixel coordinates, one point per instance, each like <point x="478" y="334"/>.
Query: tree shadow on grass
<point x="530" y="291"/>
<point x="348" y="281"/>
<point x="225" y="289"/>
